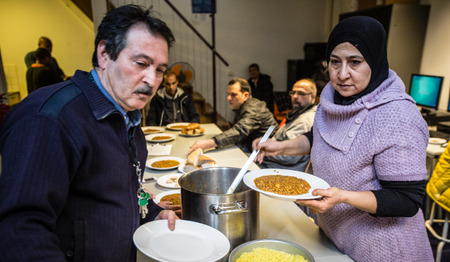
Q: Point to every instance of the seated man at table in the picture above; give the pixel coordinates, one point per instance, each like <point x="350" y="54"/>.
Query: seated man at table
<point x="252" y="119"/>
<point x="298" y="121"/>
<point x="171" y="104"/>
<point x="73" y="153"/>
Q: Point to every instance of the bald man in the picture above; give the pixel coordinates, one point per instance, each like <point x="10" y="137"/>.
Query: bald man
<point x="298" y="122"/>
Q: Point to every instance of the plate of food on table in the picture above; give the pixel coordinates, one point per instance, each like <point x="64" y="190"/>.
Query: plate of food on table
<point x="164" y="162"/>
<point x="173" y="196"/>
<point x="192" y="130"/>
<point x="436" y="140"/>
<point x="152" y="129"/>
<point x="169" y="181"/>
<point x="196" y="160"/>
<point x="160" y="137"/>
<point x="284" y="184"/>
<point x="177" y="126"/>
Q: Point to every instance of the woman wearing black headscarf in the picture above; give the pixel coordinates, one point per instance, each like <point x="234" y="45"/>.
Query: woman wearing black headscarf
<point x="369" y="143"/>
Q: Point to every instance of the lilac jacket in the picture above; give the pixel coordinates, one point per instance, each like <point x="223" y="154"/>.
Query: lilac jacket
<point x="381" y="136"/>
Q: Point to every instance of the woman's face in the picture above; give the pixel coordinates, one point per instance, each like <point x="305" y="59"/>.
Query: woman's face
<point x="349" y="71"/>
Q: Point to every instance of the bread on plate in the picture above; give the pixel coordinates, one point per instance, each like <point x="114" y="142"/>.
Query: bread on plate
<point x="193" y="157"/>
<point x="192" y="129"/>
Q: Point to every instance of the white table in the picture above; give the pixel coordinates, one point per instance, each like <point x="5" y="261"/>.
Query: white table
<point x="278" y="219"/>
<point x="433" y="153"/>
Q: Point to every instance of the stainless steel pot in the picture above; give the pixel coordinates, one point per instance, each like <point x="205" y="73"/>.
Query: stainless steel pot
<point x="204" y="199"/>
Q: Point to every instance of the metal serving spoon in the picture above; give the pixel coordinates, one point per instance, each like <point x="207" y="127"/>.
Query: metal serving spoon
<point x="247" y="164"/>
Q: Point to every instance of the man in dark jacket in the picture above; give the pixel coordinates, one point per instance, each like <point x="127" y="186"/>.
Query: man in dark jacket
<point x="41" y="73"/>
<point x="171" y="104"/>
<point x="73" y="153"/>
<point x="262" y="87"/>
<point x="46" y="43"/>
<point x="252" y="119"/>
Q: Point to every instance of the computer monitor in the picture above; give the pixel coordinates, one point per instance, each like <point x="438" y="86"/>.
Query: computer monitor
<point x="426" y="90"/>
<point x="448" y="106"/>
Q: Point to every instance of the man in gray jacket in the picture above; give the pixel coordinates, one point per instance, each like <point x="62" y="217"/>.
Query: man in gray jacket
<point x="298" y="121"/>
<point x="252" y="119"/>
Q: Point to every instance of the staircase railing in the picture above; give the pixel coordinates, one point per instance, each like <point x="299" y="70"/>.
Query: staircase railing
<point x="211" y="47"/>
<point x="193" y="48"/>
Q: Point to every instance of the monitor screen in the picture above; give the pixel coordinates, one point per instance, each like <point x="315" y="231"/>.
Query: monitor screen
<point x="426" y="89"/>
<point x="448" y="107"/>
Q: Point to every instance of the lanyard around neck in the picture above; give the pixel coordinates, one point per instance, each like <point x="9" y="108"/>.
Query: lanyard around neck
<point x="135" y="161"/>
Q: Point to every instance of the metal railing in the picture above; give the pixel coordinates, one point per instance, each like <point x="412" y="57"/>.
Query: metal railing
<point x="193" y="47"/>
<point x="212" y="48"/>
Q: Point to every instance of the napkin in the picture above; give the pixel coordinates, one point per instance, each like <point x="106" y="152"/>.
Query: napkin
<point x="159" y="149"/>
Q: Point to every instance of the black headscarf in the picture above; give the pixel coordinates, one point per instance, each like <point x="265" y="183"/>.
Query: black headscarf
<point x="369" y="37"/>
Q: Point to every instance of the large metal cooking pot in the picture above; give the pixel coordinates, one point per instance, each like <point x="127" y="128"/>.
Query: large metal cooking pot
<point x="204" y="199"/>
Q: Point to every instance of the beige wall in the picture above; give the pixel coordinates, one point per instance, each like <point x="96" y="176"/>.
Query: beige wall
<point x="436" y="52"/>
<point x="22" y="22"/>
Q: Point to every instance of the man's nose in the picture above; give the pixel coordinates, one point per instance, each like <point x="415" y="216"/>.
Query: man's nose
<point x="151" y="79"/>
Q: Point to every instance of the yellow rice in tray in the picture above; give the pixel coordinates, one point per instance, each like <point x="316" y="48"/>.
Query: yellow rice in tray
<point x="269" y="255"/>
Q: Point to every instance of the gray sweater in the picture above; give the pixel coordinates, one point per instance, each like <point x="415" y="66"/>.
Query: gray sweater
<point x="291" y="130"/>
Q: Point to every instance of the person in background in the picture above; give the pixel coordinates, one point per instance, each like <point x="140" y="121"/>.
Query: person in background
<point x="40" y="74"/>
<point x="298" y="121"/>
<point x="46" y="43"/>
<point x="252" y="119"/>
<point x="171" y="104"/>
<point x="369" y="143"/>
<point x="262" y="87"/>
<point x="73" y="154"/>
<point x="321" y="76"/>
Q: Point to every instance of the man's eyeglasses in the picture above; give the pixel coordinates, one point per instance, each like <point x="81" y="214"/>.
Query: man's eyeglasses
<point x="299" y="93"/>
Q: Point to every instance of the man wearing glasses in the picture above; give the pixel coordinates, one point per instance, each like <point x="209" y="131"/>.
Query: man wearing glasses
<point x="298" y="122"/>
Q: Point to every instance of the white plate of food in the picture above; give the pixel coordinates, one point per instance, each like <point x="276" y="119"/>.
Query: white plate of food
<point x="192" y="130"/>
<point x="173" y="196"/>
<point x="177" y="126"/>
<point x="169" y="181"/>
<point x="197" y="160"/>
<point x="190" y="241"/>
<point x="185" y="168"/>
<point x="148" y="130"/>
<point x="159" y="138"/>
<point x="193" y="135"/>
<point x="204" y="161"/>
<point x="263" y="180"/>
<point x="436" y="140"/>
<point x="164" y="162"/>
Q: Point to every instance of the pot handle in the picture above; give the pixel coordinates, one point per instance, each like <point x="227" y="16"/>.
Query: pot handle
<point x="221" y="209"/>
